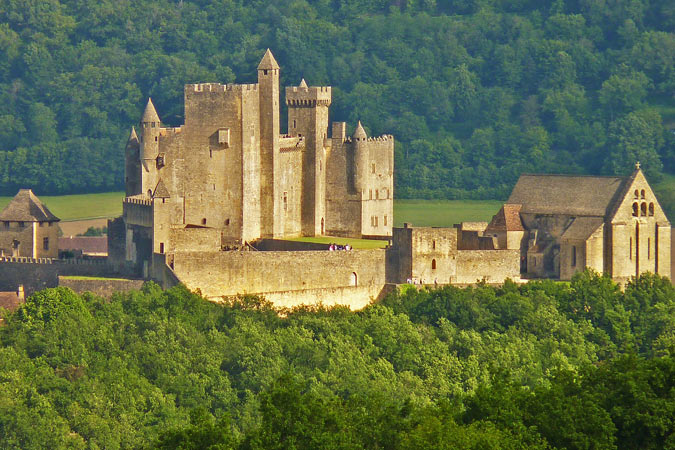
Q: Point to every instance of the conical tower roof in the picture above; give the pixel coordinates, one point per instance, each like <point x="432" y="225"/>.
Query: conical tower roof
<point x="150" y="114"/>
<point x="26" y="207"/>
<point x="360" y="133"/>
<point x="133" y="137"/>
<point x="268" y="62"/>
<point x="303" y="84"/>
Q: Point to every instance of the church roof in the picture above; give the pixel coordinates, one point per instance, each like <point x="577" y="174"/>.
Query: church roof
<point x="507" y="219"/>
<point x="582" y="228"/>
<point x="161" y="191"/>
<point x="268" y="61"/>
<point x="360" y="132"/>
<point x="150" y="114"/>
<point x="568" y="194"/>
<point x="26" y="207"/>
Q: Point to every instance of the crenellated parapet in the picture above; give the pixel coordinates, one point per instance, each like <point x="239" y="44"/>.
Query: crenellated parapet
<point x="308" y="97"/>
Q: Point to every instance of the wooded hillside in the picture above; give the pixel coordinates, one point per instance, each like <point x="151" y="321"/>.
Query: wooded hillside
<point x="577" y="365"/>
<point x="475" y="91"/>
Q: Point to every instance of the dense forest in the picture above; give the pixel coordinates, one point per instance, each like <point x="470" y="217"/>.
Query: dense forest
<point x="578" y="365"/>
<point x="475" y="91"/>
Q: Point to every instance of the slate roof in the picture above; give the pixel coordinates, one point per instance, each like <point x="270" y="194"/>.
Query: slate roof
<point x="568" y="194"/>
<point x="582" y="228"/>
<point x="507" y="219"/>
<point x="26" y="207"/>
<point x="88" y="244"/>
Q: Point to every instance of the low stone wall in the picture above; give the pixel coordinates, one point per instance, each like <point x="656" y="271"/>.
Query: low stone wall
<point x="102" y="288"/>
<point x="355" y="297"/>
<point x="230" y="273"/>
<point x="491" y="265"/>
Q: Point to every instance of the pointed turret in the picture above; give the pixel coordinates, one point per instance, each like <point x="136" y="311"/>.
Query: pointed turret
<point x="150" y="115"/>
<point x="133" y="137"/>
<point x="303" y="84"/>
<point x="360" y="133"/>
<point x="268" y="62"/>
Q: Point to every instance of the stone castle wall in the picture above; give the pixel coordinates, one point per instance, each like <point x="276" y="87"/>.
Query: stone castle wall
<point x="238" y="272"/>
<point x="102" y="288"/>
<point x="494" y="266"/>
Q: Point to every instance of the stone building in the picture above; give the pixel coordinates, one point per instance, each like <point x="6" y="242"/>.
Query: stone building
<point x="231" y="177"/>
<point x="27" y="228"/>
<point x="562" y="224"/>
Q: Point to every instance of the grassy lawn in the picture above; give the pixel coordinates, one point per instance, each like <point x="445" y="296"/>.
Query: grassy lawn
<point x="356" y="243"/>
<point x="443" y="213"/>
<point x="81" y="206"/>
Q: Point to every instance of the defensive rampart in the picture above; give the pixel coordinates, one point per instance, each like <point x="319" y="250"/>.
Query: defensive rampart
<point x="490" y="265"/>
<point x="351" y="277"/>
<point x="102" y="288"/>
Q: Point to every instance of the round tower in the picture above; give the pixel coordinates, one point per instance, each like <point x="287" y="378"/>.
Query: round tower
<point x="359" y="141"/>
<point x="150" y="127"/>
<point x="132" y="165"/>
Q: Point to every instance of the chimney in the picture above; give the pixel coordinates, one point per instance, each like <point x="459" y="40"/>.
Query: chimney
<point x="20" y="293"/>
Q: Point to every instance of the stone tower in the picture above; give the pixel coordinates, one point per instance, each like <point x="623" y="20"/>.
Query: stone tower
<point x="132" y="165"/>
<point x="149" y="149"/>
<point x="268" y="81"/>
<point x="308" y="118"/>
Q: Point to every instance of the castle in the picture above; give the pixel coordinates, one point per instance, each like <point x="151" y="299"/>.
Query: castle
<point x="212" y="204"/>
<point x="230" y="171"/>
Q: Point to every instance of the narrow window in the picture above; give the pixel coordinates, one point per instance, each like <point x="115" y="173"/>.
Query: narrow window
<point x="433" y="244"/>
<point x="635" y="209"/>
<point x="285" y="201"/>
<point x="265" y="71"/>
<point x="204" y="221"/>
<point x="210" y="153"/>
<point x="385" y="220"/>
<point x="651" y="209"/>
<point x="433" y="264"/>
<point x="642" y="193"/>
<point x="161" y="247"/>
<point x="156" y="138"/>
<point x="353" y="279"/>
<point x="574" y="256"/>
<point x="372" y="169"/>
<point x="643" y="209"/>
<point x="149" y="192"/>
<point x="376" y="221"/>
<point x="370" y="194"/>
<point x="227" y="222"/>
<point x="377" y="194"/>
<point x="295" y="125"/>
<point x="637" y="193"/>
<point x="45" y="243"/>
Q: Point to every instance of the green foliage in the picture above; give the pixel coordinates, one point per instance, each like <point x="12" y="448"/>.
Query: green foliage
<point x="475" y="92"/>
<point x="579" y="365"/>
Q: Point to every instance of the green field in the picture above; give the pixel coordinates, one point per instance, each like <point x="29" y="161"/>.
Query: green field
<point x="430" y="213"/>
<point x="443" y="213"/>
<point x="82" y="206"/>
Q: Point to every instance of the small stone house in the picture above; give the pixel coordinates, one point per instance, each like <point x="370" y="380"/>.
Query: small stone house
<point x="613" y="225"/>
<point x="28" y="229"/>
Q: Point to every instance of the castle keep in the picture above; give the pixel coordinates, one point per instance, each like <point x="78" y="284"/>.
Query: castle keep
<point x="230" y="173"/>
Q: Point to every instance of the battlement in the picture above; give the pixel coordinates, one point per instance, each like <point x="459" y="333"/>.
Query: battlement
<point x="300" y="96"/>
<point x="138" y="200"/>
<point x="218" y="87"/>
<point x="170" y="131"/>
<point x="288" y="142"/>
<point x="383" y="138"/>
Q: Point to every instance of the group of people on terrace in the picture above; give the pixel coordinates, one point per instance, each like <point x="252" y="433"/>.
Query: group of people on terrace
<point x="334" y="247"/>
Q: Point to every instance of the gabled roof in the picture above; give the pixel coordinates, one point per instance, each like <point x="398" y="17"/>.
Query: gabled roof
<point x="88" y="244"/>
<point x="161" y="191"/>
<point x="507" y="219"/>
<point x="26" y="207"/>
<point x="568" y="194"/>
<point x="582" y="228"/>
<point x="150" y="114"/>
<point x="268" y="62"/>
